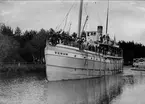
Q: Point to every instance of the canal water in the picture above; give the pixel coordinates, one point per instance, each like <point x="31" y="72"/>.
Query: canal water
<point x="126" y="88"/>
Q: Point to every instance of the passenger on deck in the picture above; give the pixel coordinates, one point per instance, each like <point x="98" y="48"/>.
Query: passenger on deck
<point x="107" y="38"/>
<point x="101" y="39"/>
<point x="85" y="44"/>
<point x="96" y="48"/>
<point x="104" y="38"/>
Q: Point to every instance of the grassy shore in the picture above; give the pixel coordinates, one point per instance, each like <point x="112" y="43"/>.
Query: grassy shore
<point x="22" y="67"/>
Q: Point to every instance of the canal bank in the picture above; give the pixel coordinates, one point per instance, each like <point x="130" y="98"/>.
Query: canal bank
<point x="16" y="69"/>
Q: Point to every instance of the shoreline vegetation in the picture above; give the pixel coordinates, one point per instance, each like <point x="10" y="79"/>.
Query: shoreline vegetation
<point x="22" y="68"/>
<point x="24" y="51"/>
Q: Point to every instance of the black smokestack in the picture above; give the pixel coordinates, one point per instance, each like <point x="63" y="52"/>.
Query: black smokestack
<point x="100" y="29"/>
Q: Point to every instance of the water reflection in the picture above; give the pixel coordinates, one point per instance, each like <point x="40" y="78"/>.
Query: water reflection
<point x="133" y="91"/>
<point x="36" y="90"/>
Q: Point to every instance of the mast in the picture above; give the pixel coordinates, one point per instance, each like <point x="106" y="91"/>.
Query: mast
<point x="80" y="18"/>
<point x="85" y="22"/>
<point x="107" y="18"/>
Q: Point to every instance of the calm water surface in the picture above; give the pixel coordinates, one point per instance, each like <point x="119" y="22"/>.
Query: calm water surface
<point x="127" y="88"/>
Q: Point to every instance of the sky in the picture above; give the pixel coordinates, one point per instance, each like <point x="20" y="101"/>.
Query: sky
<point x="126" y="17"/>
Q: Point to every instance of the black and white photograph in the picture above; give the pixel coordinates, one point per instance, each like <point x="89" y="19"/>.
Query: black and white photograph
<point x="72" y="51"/>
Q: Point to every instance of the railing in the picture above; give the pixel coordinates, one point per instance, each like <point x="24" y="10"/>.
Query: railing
<point x="97" y="49"/>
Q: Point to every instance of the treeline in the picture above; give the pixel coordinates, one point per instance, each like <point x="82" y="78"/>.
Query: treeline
<point x="28" y="46"/>
<point x="131" y="50"/>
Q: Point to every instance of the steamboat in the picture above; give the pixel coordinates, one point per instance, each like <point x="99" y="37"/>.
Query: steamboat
<point x="91" y="55"/>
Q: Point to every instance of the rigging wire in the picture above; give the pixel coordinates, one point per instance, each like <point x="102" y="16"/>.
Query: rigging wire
<point x="66" y="17"/>
<point x="69" y="27"/>
<point x="65" y="22"/>
<point x="85" y="23"/>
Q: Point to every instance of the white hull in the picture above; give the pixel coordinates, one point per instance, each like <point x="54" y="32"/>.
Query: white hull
<point x="64" y="62"/>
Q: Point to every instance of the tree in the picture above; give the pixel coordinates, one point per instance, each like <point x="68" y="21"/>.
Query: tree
<point x="131" y="50"/>
<point x="6" y="30"/>
<point x="18" y="31"/>
<point x="4" y="47"/>
<point x="8" y="48"/>
<point x="38" y="44"/>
